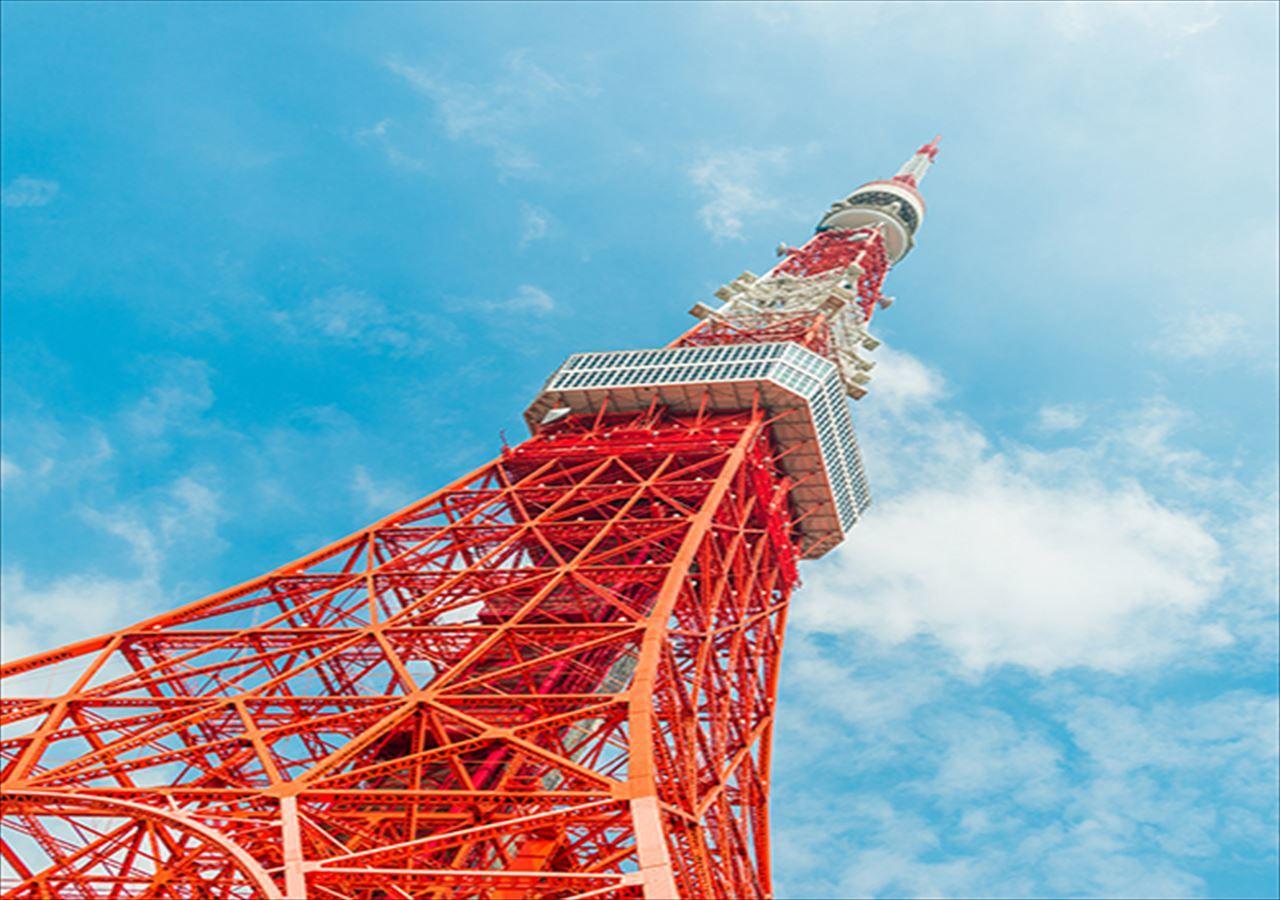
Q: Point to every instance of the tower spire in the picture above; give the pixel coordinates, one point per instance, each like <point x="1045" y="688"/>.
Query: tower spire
<point x="895" y="203"/>
<point x="914" y="169"/>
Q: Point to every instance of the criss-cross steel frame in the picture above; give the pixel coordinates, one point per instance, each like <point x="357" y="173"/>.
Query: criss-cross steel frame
<point x="555" y="677"/>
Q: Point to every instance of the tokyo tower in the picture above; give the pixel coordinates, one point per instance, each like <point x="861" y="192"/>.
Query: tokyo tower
<point x="555" y="677"/>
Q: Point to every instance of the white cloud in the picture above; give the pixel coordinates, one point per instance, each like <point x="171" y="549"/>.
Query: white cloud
<point x="185" y="512"/>
<point x="9" y="470"/>
<point x="379" y="135"/>
<point x="46" y="455"/>
<point x="191" y="511"/>
<point x="358" y="319"/>
<point x="127" y="525"/>
<point x="1147" y="434"/>
<point x="1046" y="560"/>
<point x="893" y="865"/>
<point x="534" y="224"/>
<point x="1059" y="418"/>
<point x="1166" y="22"/>
<point x="731" y="182"/>
<point x="179" y="397"/>
<point x="1000" y="569"/>
<point x="1177" y="777"/>
<point x="877" y="701"/>
<point x="527" y="299"/>
<point x="1030" y="769"/>
<point x="1233" y="730"/>
<point x="532" y="298"/>
<point x="379" y="497"/>
<point x="70" y="608"/>
<point x="953" y="785"/>
<point x="1216" y="335"/>
<point x="176" y="520"/>
<point x="901" y="381"/>
<point x="27" y="191"/>
<point x="494" y="115"/>
<point x="351" y="315"/>
<point x="1255" y="554"/>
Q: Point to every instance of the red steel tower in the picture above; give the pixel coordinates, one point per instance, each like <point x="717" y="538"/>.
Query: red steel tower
<point x="555" y="677"/>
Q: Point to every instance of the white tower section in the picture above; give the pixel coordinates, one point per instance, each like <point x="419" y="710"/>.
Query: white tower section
<point x="752" y="302"/>
<point x="838" y="274"/>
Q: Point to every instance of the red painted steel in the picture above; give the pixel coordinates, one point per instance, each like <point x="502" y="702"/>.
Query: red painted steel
<point x="552" y="678"/>
<point x="555" y="677"/>
<point x="928" y="152"/>
<point x="828" y="251"/>
<point x="809" y="329"/>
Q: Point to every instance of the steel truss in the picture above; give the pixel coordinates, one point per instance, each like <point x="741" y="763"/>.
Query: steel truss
<point x="553" y="678"/>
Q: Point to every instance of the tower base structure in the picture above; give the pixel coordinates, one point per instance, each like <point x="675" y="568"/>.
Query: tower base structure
<point x="553" y="678"/>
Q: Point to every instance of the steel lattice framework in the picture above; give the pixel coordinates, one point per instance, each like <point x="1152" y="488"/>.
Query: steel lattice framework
<point x="555" y="677"/>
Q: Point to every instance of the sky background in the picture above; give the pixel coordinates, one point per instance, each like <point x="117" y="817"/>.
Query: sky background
<point x="270" y="272"/>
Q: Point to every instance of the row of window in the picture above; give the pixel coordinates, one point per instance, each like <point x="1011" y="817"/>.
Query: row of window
<point x="838" y="475"/>
<point x="840" y="453"/>
<point x="793" y="378"/>
<point x="691" y="374"/>
<point x="787" y="364"/>
<point x="807" y="360"/>
<point x="794" y="354"/>
<point x="680" y="356"/>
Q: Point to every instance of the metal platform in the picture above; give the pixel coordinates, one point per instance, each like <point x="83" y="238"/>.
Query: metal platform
<point x="831" y="489"/>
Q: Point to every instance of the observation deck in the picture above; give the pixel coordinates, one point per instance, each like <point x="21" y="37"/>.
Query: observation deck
<point x="814" y="432"/>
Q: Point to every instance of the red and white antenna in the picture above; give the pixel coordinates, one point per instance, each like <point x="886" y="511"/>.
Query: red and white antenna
<point x="914" y="169"/>
<point x="894" y="203"/>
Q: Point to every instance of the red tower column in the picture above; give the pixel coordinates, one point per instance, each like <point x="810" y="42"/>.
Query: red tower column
<point x="554" y="677"/>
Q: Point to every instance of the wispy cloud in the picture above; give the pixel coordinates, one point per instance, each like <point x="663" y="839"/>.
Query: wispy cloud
<point x="496" y="114"/>
<point x="1098" y="790"/>
<point x="1059" y="418"/>
<point x="534" y="224"/>
<point x="528" y="298"/>
<point x="1170" y="22"/>
<point x="379" y="135"/>
<point x="379" y="496"/>
<point x="178" y="397"/>
<point x="27" y="191"/>
<point x="184" y="511"/>
<point x="1209" y="335"/>
<point x="173" y="520"/>
<point x="731" y="181"/>
<point x="39" y="617"/>
<point x="359" y="320"/>
<point x="9" y="471"/>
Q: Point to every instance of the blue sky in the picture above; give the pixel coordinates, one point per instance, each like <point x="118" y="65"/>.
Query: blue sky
<point x="271" y="271"/>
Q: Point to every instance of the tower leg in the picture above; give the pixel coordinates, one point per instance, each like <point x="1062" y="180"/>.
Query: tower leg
<point x="553" y="678"/>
